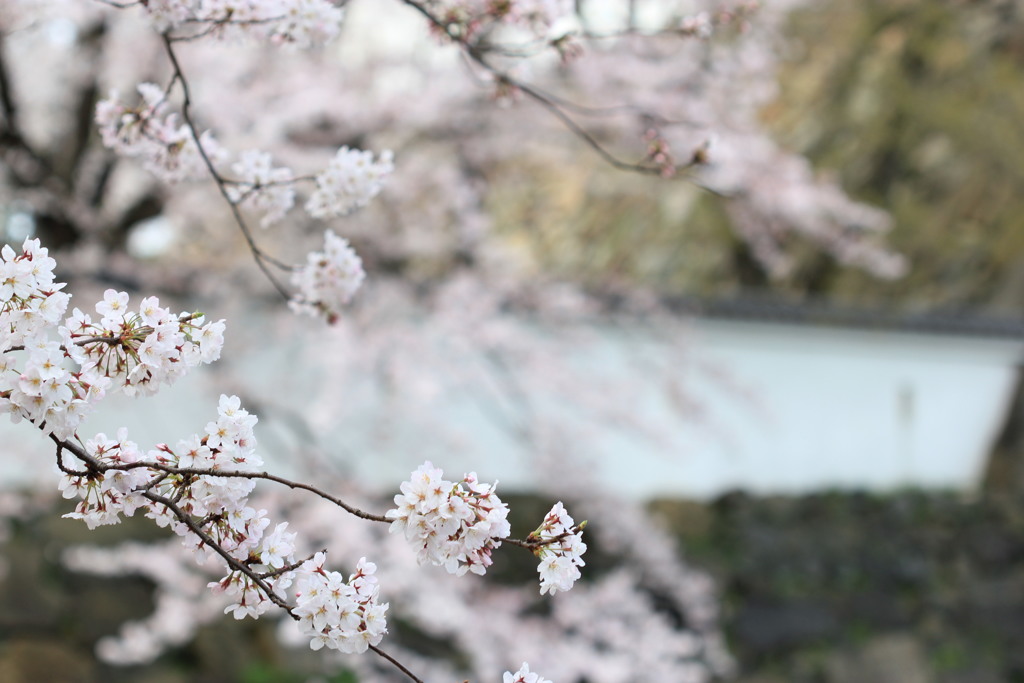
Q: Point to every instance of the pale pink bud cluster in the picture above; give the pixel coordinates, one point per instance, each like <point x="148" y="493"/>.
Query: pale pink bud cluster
<point x="561" y="552"/>
<point x="469" y="18"/>
<point x="329" y="279"/>
<point x="143" y="132"/>
<point x="303" y="23"/>
<point x="338" y="614"/>
<point x="699" y="25"/>
<point x="659" y="153"/>
<point x="350" y="181"/>
<point x="453" y="525"/>
<point x="139" y="350"/>
<point x="524" y="675"/>
<point x="538" y="14"/>
<point x="262" y="186"/>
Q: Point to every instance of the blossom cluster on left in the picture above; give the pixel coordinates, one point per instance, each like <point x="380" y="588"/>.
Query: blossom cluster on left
<point x="55" y="382"/>
<point x="55" y="369"/>
<point x="53" y="372"/>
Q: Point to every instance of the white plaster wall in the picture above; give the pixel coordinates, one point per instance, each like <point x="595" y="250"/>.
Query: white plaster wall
<point x="785" y="409"/>
<point x="846" y="408"/>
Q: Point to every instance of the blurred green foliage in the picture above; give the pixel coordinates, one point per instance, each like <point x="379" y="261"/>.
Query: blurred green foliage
<point x="914" y="106"/>
<point x="917" y="107"/>
<point x="261" y="672"/>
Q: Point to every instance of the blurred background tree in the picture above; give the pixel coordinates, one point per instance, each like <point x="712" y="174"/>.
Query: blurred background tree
<point x="914" y="107"/>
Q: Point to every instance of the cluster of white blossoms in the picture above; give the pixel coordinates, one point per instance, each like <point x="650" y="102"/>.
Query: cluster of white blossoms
<point x="524" y="675"/>
<point x="104" y="498"/>
<point x="201" y="485"/>
<point x="352" y="178"/>
<point x="30" y="300"/>
<point x="227" y="445"/>
<point x="329" y="279"/>
<point x="168" y="150"/>
<point x="349" y="182"/>
<point x="453" y="525"/>
<point x="54" y="384"/>
<point x="30" y="304"/>
<point x="338" y="614"/>
<point x="145" y="132"/>
<point x="240" y="531"/>
<point x="137" y="351"/>
<point x="560" y="550"/>
<point x="262" y="186"/>
<point x="303" y="23"/>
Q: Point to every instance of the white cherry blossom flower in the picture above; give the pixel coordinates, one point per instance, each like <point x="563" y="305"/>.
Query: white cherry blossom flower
<point x="524" y="675"/>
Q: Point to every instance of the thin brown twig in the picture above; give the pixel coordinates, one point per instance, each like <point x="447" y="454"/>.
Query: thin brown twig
<point x="210" y="542"/>
<point x="289" y="567"/>
<point x="101" y="467"/>
<point x="261" y="257"/>
<point x="477" y="54"/>
<point x="98" y="466"/>
<point x="258" y="579"/>
<point x="64" y="468"/>
<point x="532" y="543"/>
<point x="213" y="24"/>
<point x="398" y="664"/>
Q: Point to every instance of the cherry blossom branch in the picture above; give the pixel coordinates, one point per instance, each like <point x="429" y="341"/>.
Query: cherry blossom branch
<point x="458" y="524"/>
<point x="259" y="255"/>
<point x="531" y="543"/>
<point x="98" y="467"/>
<point x="60" y="461"/>
<point x="289" y="567"/>
<point x="211" y="543"/>
<point x="94" y="465"/>
<point x="211" y="26"/>
<point x="477" y="53"/>
<point x="398" y="664"/>
<point x="258" y="579"/>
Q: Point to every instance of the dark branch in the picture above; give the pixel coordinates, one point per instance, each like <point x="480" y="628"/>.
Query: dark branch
<point x="477" y="53"/>
<point x="398" y="664"/>
<point x="261" y="257"/>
